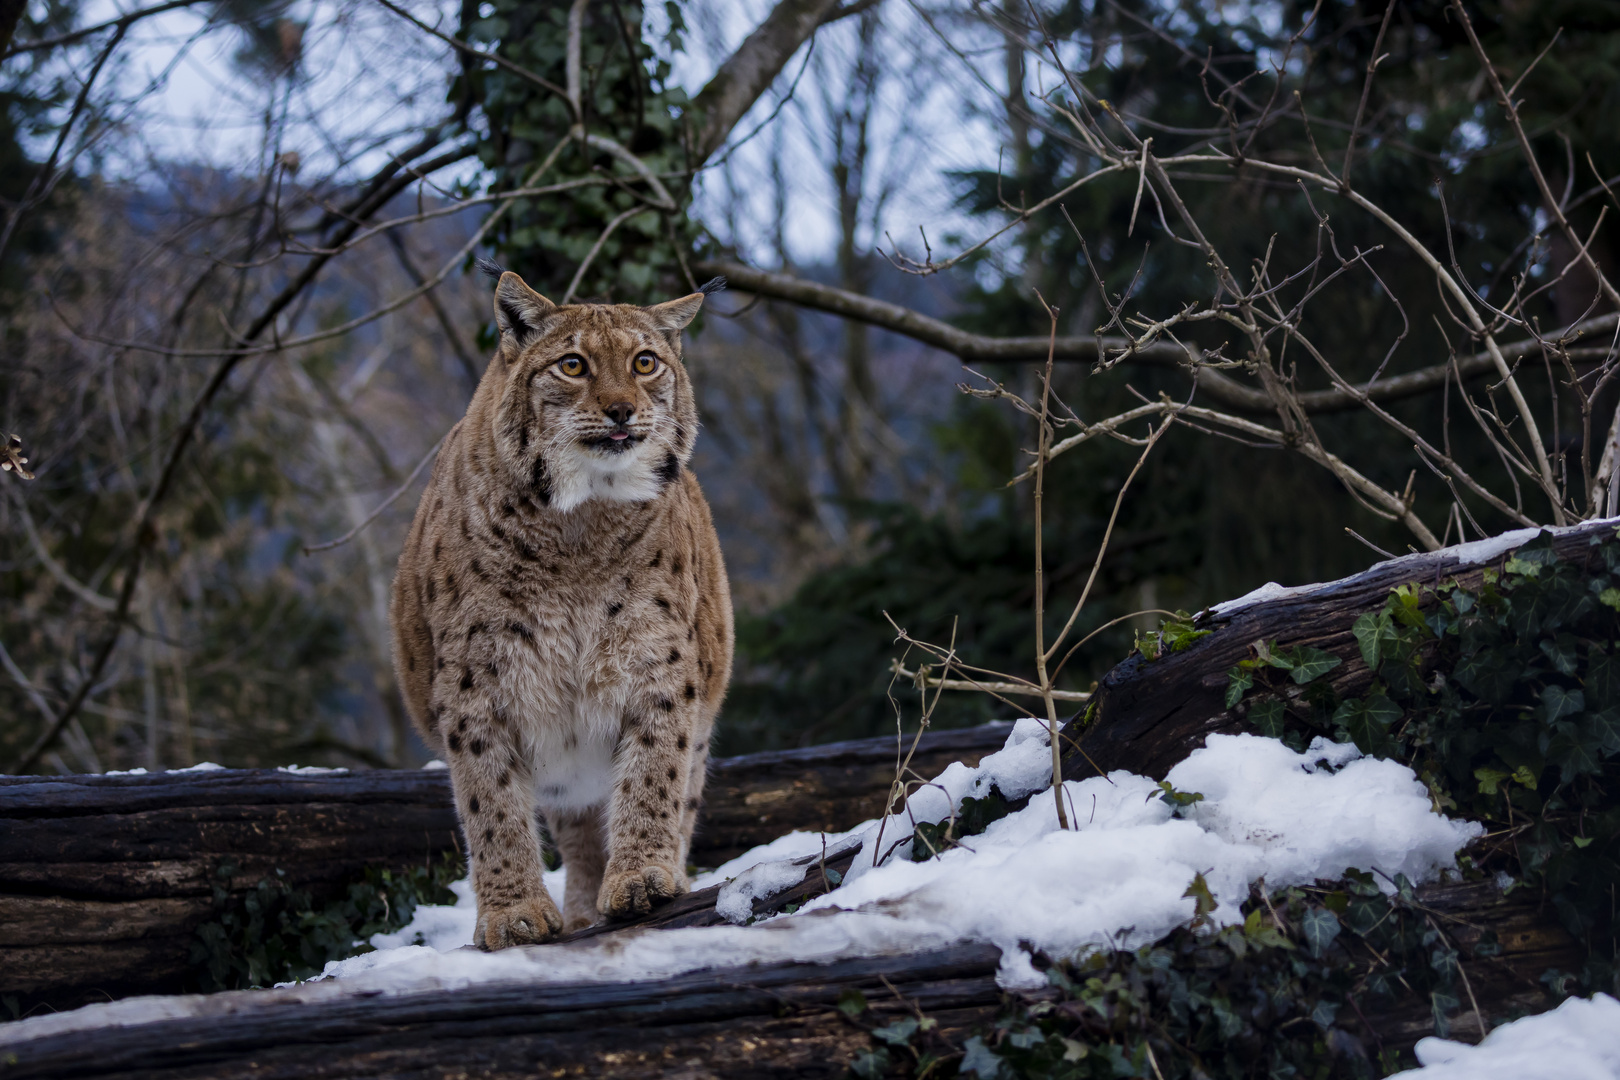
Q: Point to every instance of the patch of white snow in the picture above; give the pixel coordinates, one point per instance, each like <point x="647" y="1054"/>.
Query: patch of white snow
<point x="794" y="845"/>
<point x="1579" y="1040"/>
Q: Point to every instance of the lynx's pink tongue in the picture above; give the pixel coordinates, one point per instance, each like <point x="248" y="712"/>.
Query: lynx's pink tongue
<point x="617" y="435"/>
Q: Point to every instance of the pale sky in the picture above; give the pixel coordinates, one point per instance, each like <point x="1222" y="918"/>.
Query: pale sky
<point x="371" y="76"/>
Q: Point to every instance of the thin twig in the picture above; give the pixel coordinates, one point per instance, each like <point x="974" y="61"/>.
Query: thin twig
<point x="310" y="549"/>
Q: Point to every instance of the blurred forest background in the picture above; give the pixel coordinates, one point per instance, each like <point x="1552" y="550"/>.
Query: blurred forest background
<point x="239" y="312"/>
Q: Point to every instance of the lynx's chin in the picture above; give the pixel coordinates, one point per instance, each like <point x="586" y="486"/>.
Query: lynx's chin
<point x="624" y="471"/>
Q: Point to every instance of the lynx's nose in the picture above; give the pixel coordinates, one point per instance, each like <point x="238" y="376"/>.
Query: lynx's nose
<point x="620" y="412"/>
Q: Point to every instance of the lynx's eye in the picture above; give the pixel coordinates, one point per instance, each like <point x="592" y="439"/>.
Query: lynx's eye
<point x="646" y="364"/>
<point x="571" y="365"/>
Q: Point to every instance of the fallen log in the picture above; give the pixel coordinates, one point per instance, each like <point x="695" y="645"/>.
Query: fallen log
<point x="1148" y="715"/>
<point x="780" y="1020"/>
<point x="105" y="879"/>
<point x="777" y="1019"/>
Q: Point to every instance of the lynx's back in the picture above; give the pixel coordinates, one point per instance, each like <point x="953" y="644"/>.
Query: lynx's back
<point x="562" y="622"/>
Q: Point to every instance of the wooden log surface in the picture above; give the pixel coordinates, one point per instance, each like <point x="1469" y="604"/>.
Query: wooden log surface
<point x="778" y="1020"/>
<point x="104" y="879"/>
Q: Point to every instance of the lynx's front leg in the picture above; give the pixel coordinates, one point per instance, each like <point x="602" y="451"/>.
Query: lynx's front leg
<point x="646" y="848"/>
<point x="495" y="799"/>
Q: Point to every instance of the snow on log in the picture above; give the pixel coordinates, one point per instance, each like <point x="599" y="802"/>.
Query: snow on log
<point x="104" y="879"/>
<point x="779" y="1019"/>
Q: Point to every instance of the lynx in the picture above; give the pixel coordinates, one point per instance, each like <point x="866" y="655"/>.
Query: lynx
<point x="562" y="622"/>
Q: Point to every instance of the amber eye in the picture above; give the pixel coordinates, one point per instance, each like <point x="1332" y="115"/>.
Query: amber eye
<point x="571" y="365"/>
<point x="646" y="364"/>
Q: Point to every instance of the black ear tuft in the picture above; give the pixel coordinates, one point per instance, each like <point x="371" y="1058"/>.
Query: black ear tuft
<point x="490" y="267"/>
<point x="712" y="286"/>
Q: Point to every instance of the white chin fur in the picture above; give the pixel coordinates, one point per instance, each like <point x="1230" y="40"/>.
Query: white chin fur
<point x="579" y="474"/>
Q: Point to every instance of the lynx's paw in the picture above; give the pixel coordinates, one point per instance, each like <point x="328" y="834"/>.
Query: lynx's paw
<point x="627" y="893"/>
<point x="531" y="922"/>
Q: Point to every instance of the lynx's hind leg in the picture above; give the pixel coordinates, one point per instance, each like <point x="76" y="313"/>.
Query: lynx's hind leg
<point x="582" y="842"/>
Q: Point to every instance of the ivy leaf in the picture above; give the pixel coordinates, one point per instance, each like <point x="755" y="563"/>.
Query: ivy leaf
<point x="1603" y="728"/>
<point x="1573" y="756"/>
<point x="1203" y="901"/>
<point x="1320" y="926"/>
<point x="1237" y="681"/>
<point x="1368" y="722"/>
<point x="1562" y="652"/>
<point x="1325" y="1013"/>
<point x="1557" y="703"/>
<point x="872" y="1064"/>
<point x="1178" y="799"/>
<point x="898" y="1033"/>
<point x="1603" y="677"/>
<point x="1526" y="567"/>
<point x="1371" y="632"/>
<point x="1403" y="607"/>
<point x="1267" y="717"/>
<point x="852" y="1003"/>
<point x="1442" y="1004"/>
<point x="979" y="1060"/>
<point x="1311" y="663"/>
<point x="1489" y="779"/>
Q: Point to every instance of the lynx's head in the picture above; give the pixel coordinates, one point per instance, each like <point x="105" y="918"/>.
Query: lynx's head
<point x="594" y="401"/>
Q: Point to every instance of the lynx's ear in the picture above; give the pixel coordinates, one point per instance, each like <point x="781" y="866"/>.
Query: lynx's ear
<point x="673" y="316"/>
<point x="520" y="312"/>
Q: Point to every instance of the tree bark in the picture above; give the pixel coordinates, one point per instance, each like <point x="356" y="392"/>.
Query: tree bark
<point x="749" y="72"/>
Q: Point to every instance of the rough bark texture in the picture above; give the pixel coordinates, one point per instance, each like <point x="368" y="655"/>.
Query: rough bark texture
<point x="780" y="1020"/>
<point x="749" y="71"/>
<point x="104" y="879"/>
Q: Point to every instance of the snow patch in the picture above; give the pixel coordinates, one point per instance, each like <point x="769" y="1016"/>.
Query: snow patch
<point x="792" y="846"/>
<point x="735" y="903"/>
<point x="1579" y="1040"/>
<point x="1470" y="554"/>
<point x="308" y="770"/>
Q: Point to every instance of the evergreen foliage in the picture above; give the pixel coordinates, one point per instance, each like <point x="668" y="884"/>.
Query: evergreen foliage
<point x="624" y="96"/>
<point x="275" y="933"/>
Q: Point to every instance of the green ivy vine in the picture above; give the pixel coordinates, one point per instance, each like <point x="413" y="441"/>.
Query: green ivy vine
<point x="274" y="932"/>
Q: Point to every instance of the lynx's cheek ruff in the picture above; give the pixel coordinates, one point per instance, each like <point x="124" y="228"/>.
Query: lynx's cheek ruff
<point x="562" y="623"/>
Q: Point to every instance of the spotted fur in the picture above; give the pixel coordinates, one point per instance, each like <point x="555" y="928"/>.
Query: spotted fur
<point x="562" y="623"/>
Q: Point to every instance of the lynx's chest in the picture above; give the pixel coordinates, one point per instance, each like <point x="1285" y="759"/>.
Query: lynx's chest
<point x="576" y="642"/>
